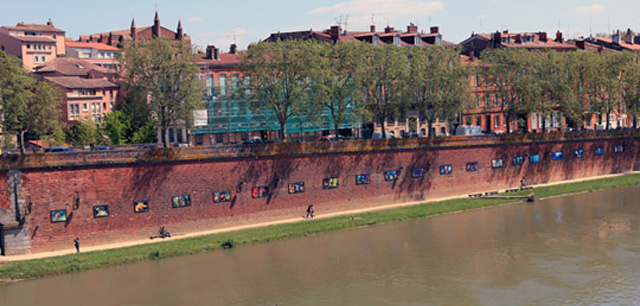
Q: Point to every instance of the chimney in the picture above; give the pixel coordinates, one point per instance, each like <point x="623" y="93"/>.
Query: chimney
<point x="629" y="38"/>
<point x="518" y="39"/>
<point x="132" y="31"/>
<point x="110" y="41"/>
<point x="212" y="53"/>
<point x="497" y="39"/>
<point x="50" y="23"/>
<point x="434" y="30"/>
<point x="388" y="29"/>
<point x="373" y="28"/>
<point x="615" y="38"/>
<point x="412" y="28"/>
<point x="334" y="32"/>
<point x="559" y="38"/>
<point x="580" y="44"/>
<point x="636" y="40"/>
<point x="233" y="49"/>
<point x="542" y="36"/>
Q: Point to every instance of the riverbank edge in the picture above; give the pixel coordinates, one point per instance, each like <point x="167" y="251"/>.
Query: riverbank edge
<point x="12" y="271"/>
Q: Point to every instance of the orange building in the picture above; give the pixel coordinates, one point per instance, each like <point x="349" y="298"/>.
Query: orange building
<point x="34" y="44"/>
<point x="99" y="54"/>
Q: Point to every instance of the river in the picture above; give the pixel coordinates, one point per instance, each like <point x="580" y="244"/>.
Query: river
<point x="581" y="249"/>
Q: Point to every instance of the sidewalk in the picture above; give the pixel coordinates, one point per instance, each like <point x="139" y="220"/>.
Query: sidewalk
<point x="257" y="225"/>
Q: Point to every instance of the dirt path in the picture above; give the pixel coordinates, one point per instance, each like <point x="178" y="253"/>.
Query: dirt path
<point x="237" y="228"/>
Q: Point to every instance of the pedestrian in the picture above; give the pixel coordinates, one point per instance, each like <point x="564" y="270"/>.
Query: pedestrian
<point x="523" y="183"/>
<point x="76" y="242"/>
<point x="310" y="211"/>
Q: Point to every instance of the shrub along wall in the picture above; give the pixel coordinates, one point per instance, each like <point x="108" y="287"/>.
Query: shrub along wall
<point x="108" y="203"/>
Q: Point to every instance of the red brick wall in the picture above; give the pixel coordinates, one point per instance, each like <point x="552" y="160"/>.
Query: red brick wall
<point x="119" y="186"/>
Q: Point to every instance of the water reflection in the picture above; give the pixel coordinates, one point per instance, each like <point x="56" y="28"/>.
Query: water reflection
<point x="573" y="250"/>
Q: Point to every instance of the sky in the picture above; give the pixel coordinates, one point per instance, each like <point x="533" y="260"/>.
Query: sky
<point x="221" y="23"/>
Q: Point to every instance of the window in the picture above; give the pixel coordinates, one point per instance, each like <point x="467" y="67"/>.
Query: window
<point x="477" y="80"/>
<point x="478" y="101"/>
<point x="487" y="98"/>
<point x="247" y="84"/>
<point x="35" y="58"/>
<point x="496" y="121"/>
<point x="2" y="48"/>
<point x="53" y="36"/>
<point x="223" y="84"/>
<point x="44" y="58"/>
<point x="199" y="139"/>
<point x="496" y="100"/>
<point x="219" y="138"/>
<point x="85" y="107"/>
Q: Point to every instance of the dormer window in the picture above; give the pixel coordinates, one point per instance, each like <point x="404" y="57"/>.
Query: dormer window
<point x="396" y="40"/>
<point x="417" y="40"/>
<point x="438" y="41"/>
<point x="375" y="40"/>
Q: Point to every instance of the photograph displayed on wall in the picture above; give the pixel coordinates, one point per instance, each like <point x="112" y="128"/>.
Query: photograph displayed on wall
<point x="497" y="163"/>
<point x="472" y="166"/>
<point x="599" y="150"/>
<point x="141" y="206"/>
<point x="518" y="160"/>
<point x="417" y="172"/>
<point x="100" y="211"/>
<point x="391" y="175"/>
<point x="618" y="149"/>
<point x="296" y="187"/>
<point x="363" y="179"/>
<point x="446" y="169"/>
<point x="557" y="155"/>
<point x="221" y="196"/>
<point x="535" y="158"/>
<point x="330" y="183"/>
<point x="578" y="153"/>
<point x="58" y="215"/>
<point x="181" y="201"/>
<point x="260" y="192"/>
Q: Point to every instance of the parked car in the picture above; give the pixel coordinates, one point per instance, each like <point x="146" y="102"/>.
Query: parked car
<point x="329" y="138"/>
<point x="102" y="148"/>
<point x="182" y="145"/>
<point x="378" y="135"/>
<point x="254" y="140"/>
<point x="146" y="146"/>
<point x="58" y="149"/>
<point x="411" y="135"/>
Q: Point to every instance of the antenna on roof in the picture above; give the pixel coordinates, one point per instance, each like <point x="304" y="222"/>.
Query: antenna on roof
<point x="372" y="19"/>
<point x="590" y="26"/>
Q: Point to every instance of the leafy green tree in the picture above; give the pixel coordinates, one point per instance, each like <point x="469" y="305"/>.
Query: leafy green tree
<point x="384" y="69"/>
<point x="146" y="134"/>
<point x="28" y="106"/>
<point x="278" y="73"/>
<point x="631" y="86"/>
<point x="605" y="84"/>
<point x="83" y="133"/>
<point x="436" y="83"/>
<point x="166" y="71"/>
<point x="334" y="80"/>
<point x="116" y="126"/>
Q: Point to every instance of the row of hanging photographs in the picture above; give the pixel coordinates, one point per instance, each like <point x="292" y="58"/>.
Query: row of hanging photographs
<point x="142" y="206"/>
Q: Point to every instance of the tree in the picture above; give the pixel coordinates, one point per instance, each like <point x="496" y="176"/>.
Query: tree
<point x="116" y="126"/>
<point x="278" y="77"/>
<point x="166" y="71"/>
<point x="83" y="133"/>
<point x="381" y="80"/>
<point x="28" y="106"/>
<point x="631" y="86"/>
<point x="334" y="80"/>
<point x="605" y="83"/>
<point x="436" y="83"/>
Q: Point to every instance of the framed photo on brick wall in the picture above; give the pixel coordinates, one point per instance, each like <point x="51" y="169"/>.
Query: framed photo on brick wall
<point x="390" y="176"/>
<point x="446" y="169"/>
<point x="59" y="215"/>
<point x="260" y="192"/>
<point x="363" y="179"/>
<point x="100" y="211"/>
<point x="497" y="163"/>
<point x="221" y="196"/>
<point x="417" y="172"/>
<point x="181" y="201"/>
<point x="330" y="183"/>
<point x="140" y="206"/>
<point x="296" y="187"/>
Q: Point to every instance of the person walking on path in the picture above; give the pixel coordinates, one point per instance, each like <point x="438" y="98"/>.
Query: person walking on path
<point x="310" y="211"/>
<point x="76" y="242"/>
<point x="523" y="183"/>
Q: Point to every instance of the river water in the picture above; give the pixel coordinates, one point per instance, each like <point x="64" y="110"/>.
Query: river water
<point x="577" y="250"/>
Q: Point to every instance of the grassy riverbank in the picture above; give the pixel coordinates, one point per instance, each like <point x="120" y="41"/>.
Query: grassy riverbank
<point x="16" y="270"/>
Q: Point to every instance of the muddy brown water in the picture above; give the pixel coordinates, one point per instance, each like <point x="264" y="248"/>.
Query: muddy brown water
<point x="578" y="250"/>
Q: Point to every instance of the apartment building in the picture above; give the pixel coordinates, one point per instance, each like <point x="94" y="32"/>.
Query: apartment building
<point x="34" y="44"/>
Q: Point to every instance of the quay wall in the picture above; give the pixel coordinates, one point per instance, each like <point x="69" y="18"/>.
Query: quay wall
<point x="76" y="188"/>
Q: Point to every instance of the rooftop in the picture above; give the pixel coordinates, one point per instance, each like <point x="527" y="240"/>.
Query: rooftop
<point x="81" y="83"/>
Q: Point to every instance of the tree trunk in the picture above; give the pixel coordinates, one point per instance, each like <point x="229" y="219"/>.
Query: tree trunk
<point x="283" y="130"/>
<point x="635" y="122"/>
<point x="21" y="143"/>
<point x="384" y="132"/>
<point x="430" y="128"/>
<point x="165" y="137"/>
<point x="508" y="121"/>
<point x="608" y="123"/>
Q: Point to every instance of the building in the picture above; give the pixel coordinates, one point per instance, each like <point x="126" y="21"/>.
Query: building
<point x="477" y="42"/>
<point x="99" y="54"/>
<point x="120" y="38"/>
<point x="89" y="93"/>
<point x="616" y="42"/>
<point x="34" y="44"/>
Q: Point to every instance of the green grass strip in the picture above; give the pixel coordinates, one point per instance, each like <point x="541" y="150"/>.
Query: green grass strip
<point x="17" y="270"/>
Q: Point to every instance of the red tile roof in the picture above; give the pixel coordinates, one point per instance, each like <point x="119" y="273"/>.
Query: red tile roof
<point x="91" y="45"/>
<point x="34" y="27"/>
<point x="74" y="82"/>
<point x="622" y="43"/>
<point x="35" y="39"/>
<point x="71" y="67"/>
